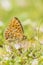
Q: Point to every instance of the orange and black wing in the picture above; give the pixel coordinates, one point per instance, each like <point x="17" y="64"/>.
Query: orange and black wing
<point x="14" y="29"/>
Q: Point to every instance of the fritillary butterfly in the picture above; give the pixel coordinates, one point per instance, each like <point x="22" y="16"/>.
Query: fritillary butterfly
<point x="14" y="30"/>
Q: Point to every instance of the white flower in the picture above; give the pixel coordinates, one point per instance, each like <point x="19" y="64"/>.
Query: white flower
<point x="6" y="4"/>
<point x="17" y="46"/>
<point x="1" y="23"/>
<point x="7" y="48"/>
<point x="6" y="58"/>
<point x="35" y="62"/>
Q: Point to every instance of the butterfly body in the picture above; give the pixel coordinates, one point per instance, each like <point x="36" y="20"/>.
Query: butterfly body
<point x="14" y="30"/>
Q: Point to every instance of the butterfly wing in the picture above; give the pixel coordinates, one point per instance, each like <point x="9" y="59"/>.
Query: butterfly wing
<point x="14" y="29"/>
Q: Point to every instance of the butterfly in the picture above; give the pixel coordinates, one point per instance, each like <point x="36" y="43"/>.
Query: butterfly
<point x="14" y="30"/>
